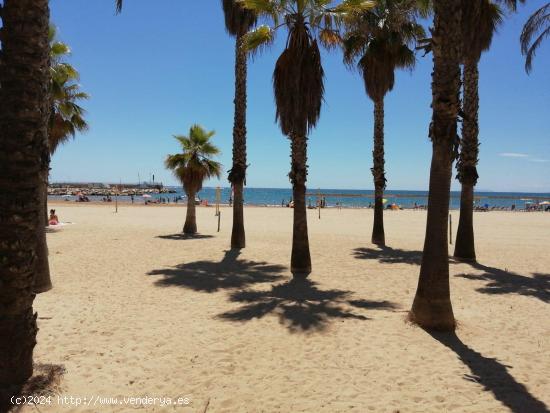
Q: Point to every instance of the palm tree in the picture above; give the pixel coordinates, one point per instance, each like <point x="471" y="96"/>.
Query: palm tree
<point x="432" y="308"/>
<point x="118" y="5"/>
<point x="193" y="166"/>
<point x="238" y="21"/>
<point x="298" y="88"/>
<point x="485" y="16"/>
<point x="66" y="119"/>
<point x="23" y="159"/>
<point x="379" y="41"/>
<point x="534" y="32"/>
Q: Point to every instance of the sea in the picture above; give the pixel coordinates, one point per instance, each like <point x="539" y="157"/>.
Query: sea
<point x="345" y="198"/>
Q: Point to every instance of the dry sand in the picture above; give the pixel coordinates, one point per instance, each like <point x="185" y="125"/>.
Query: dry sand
<point x="137" y="310"/>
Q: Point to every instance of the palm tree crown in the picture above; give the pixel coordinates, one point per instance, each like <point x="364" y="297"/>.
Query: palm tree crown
<point x="195" y="163"/>
<point x="485" y="16"/>
<point x="534" y="32"/>
<point x="380" y="40"/>
<point x="67" y="116"/>
<point x="238" y="19"/>
<point x="298" y="76"/>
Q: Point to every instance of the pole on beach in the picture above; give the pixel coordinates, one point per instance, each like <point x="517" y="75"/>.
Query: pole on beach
<point x="219" y="219"/>
<point x="319" y="202"/>
<point x="450" y="229"/>
<point x="218" y="200"/>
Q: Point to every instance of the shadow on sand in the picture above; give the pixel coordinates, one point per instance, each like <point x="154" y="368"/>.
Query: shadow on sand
<point x="504" y="282"/>
<point x="210" y="276"/>
<point x="388" y="255"/>
<point x="182" y="236"/>
<point x="300" y="305"/>
<point x="493" y="376"/>
<point x="499" y="281"/>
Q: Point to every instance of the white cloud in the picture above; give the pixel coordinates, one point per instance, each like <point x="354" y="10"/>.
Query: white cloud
<point x="539" y="160"/>
<point x="513" y="155"/>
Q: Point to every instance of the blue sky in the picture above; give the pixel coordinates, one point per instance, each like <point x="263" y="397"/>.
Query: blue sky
<point x="161" y="66"/>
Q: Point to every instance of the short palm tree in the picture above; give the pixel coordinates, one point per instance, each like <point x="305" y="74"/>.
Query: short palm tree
<point x="379" y="41"/>
<point x="485" y="16"/>
<point x="298" y="88"/>
<point x="193" y="166"/>
<point x="238" y="21"/>
<point x="23" y="164"/>
<point x="534" y="32"/>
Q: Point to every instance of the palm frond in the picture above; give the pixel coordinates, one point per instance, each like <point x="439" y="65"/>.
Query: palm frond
<point x="536" y="29"/>
<point x="257" y="40"/>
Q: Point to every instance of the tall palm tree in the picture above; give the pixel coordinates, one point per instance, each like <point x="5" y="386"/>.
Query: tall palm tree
<point x="238" y="21"/>
<point x="24" y="113"/>
<point x="432" y="308"/>
<point x="536" y="29"/>
<point x="66" y="119"/>
<point x="485" y="16"/>
<point x="193" y="166"/>
<point x="298" y="88"/>
<point x="379" y="41"/>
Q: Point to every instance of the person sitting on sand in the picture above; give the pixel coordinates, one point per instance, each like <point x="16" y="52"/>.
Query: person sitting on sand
<point x="53" y="220"/>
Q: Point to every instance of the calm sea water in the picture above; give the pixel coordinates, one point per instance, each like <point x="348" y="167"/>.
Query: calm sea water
<point x="407" y="199"/>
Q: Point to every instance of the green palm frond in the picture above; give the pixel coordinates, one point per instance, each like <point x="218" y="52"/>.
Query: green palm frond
<point x="67" y="116"/>
<point x="260" y="38"/>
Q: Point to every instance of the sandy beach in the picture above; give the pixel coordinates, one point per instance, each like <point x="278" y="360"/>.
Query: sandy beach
<point x="137" y="310"/>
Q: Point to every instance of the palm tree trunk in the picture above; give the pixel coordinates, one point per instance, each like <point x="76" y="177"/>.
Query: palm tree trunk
<point x="378" y="236"/>
<point x="300" y="262"/>
<point x="432" y="307"/>
<point x="190" y="226"/>
<point x="467" y="164"/>
<point x="237" y="175"/>
<point x="23" y="158"/>
<point x="42" y="280"/>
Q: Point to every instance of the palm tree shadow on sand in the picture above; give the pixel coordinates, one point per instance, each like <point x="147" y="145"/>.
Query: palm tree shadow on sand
<point x="300" y="305"/>
<point x="499" y="281"/>
<point x="211" y="276"/>
<point x="388" y="255"/>
<point x="493" y="376"/>
<point x="182" y="236"/>
<point x="505" y="282"/>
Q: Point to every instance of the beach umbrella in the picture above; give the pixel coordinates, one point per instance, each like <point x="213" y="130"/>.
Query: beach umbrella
<point x="146" y="196"/>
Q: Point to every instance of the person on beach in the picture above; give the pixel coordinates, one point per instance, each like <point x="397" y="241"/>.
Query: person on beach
<point x="53" y="220"/>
